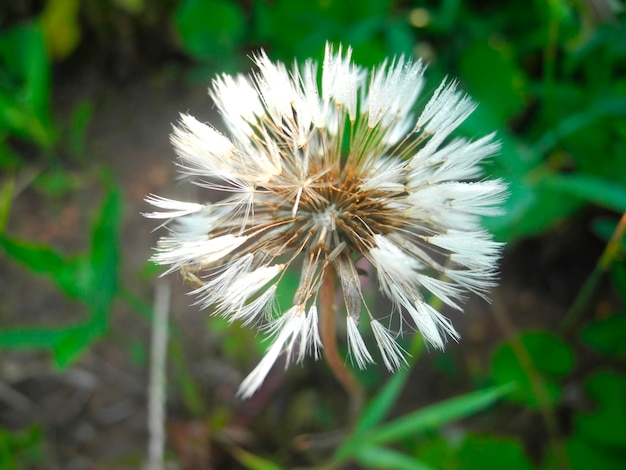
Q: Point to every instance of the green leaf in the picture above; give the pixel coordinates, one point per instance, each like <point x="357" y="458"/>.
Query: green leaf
<point x="22" y="449"/>
<point x="81" y="118"/>
<point x="437" y="451"/>
<point x="382" y="403"/>
<point x="25" y="87"/>
<point x="399" y="37"/>
<point x="91" y="280"/>
<point x="585" y="455"/>
<point x="210" y="28"/>
<point x="9" y="158"/>
<point x="251" y="461"/>
<point x="104" y="256"/>
<point x="382" y="458"/>
<point x="21" y="121"/>
<point x="607" y="424"/>
<point x="300" y="29"/>
<point x="547" y="355"/>
<point x="23" y="55"/>
<point x="503" y="90"/>
<point x="73" y="341"/>
<point x="56" y="181"/>
<point x="446" y="17"/>
<point x="590" y="189"/>
<point x="66" y="342"/>
<point x="30" y="338"/>
<point x="474" y="452"/>
<point x="530" y="209"/>
<point x="607" y="336"/>
<point x="380" y="406"/>
<point x="437" y="415"/>
<point x="295" y="29"/>
<point x="66" y="273"/>
<point x="603" y="107"/>
<point x="480" y="452"/>
<point x="375" y="411"/>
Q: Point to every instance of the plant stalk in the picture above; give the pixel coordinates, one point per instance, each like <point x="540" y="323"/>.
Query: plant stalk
<point x="611" y="251"/>
<point x="329" y="344"/>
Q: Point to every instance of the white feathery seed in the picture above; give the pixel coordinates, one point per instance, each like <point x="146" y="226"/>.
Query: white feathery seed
<point x="324" y="166"/>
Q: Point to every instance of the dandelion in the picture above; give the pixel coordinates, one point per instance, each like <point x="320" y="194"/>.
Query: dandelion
<point x="321" y="171"/>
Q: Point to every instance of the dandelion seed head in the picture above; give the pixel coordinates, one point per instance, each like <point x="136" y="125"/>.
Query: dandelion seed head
<point x="317" y="172"/>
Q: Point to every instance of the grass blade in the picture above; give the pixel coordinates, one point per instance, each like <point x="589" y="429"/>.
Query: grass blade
<point x="437" y="415"/>
<point x="380" y="457"/>
<point x="381" y="404"/>
<point x="251" y="461"/>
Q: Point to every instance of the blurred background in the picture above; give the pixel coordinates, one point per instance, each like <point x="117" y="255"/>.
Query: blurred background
<point x="88" y="92"/>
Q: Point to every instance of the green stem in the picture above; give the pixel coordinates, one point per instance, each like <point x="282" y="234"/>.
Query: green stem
<point x="611" y="251"/>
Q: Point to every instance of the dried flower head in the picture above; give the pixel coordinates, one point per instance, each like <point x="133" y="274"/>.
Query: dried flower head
<point x="317" y="175"/>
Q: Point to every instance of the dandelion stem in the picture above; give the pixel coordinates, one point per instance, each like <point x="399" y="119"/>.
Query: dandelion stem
<point x="329" y="343"/>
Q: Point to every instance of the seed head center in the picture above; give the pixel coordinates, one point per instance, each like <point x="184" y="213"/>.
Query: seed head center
<point x="326" y="218"/>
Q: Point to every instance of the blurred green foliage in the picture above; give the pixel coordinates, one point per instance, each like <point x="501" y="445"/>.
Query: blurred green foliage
<point x="549" y="77"/>
<point x="524" y="358"/>
<point x="22" y="449"/>
<point x="90" y="278"/>
<point x="475" y="452"/>
<point x="25" y="89"/>
<point x="210" y="29"/>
